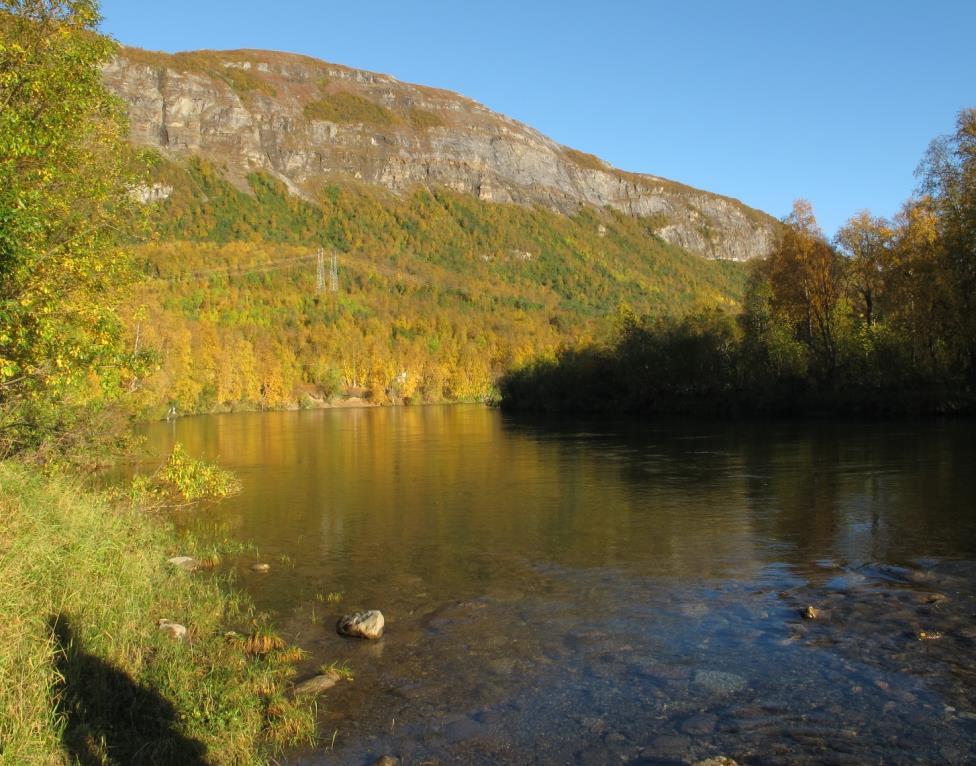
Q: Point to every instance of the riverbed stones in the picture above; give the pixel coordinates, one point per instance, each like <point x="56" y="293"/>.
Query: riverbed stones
<point x="719" y="682"/>
<point x="317" y="684"/>
<point x="186" y="563"/>
<point x="700" y="725"/>
<point x="173" y="629"/>
<point x="368" y="624"/>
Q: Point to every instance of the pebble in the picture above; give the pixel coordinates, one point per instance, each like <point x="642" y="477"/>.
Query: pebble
<point x="720" y="682"/>
<point x="174" y="629"/>
<point x="260" y="567"/>
<point x="368" y="624"/>
<point x="183" y="562"/>
<point x="700" y="724"/>
<point x="317" y="684"/>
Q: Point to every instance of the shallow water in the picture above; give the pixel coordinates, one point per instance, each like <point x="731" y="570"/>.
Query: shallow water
<point x="618" y="592"/>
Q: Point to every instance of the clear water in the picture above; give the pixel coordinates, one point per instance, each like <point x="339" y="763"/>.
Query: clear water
<point x="614" y="592"/>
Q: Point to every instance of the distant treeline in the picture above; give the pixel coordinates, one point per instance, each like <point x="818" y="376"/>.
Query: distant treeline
<point x="881" y="319"/>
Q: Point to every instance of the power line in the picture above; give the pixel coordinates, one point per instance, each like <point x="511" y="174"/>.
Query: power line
<point x="286" y="263"/>
<point x="320" y="271"/>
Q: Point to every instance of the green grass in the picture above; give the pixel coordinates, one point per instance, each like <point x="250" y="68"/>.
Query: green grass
<point x="350" y="108"/>
<point x="423" y="119"/>
<point x="341" y="669"/>
<point x="584" y="160"/>
<point x="85" y="673"/>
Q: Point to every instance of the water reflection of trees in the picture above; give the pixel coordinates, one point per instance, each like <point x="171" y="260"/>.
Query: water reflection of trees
<point x="445" y="493"/>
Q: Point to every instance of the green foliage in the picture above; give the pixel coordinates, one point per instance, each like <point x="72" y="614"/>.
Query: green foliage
<point x="65" y="180"/>
<point x="351" y="108"/>
<point x="184" y="479"/>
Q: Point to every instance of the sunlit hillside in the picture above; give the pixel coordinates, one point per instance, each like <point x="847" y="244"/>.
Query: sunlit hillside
<point x="435" y="293"/>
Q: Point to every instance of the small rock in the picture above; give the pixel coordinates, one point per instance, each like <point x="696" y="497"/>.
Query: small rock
<point x="929" y="635"/>
<point x="183" y="562"/>
<point x="260" y="567"/>
<point x="368" y="624"/>
<point x="812" y="613"/>
<point x="695" y="609"/>
<point x="503" y="666"/>
<point x="934" y="598"/>
<point x="174" y="629"/>
<point x="386" y="760"/>
<point x="700" y="725"/>
<point x="317" y="684"/>
<point x="720" y="760"/>
<point x="671" y="745"/>
<point x="720" y="682"/>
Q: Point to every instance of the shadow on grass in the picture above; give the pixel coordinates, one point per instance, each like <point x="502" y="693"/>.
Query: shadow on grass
<point x="110" y="718"/>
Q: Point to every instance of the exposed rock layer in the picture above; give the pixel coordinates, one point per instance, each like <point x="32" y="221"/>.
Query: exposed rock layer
<point x="308" y="122"/>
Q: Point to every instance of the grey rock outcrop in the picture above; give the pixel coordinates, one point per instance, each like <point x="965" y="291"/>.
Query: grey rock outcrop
<point x="249" y="111"/>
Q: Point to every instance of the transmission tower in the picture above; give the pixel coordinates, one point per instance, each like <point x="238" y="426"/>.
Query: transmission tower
<point x="320" y="272"/>
<point x="334" y="273"/>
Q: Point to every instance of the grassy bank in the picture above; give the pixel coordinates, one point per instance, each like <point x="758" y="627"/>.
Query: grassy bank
<point x="86" y="674"/>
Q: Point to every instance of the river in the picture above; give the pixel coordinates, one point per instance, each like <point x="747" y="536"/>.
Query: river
<point x="587" y="592"/>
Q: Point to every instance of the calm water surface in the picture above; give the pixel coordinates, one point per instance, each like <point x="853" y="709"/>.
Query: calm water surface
<point x="596" y="593"/>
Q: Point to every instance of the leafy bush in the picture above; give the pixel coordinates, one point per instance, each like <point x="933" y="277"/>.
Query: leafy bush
<point x="184" y="479"/>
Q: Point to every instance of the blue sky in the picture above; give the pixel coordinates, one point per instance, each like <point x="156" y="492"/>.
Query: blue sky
<point x="764" y="101"/>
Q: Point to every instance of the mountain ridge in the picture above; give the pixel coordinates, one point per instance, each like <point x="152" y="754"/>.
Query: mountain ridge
<point x="308" y="123"/>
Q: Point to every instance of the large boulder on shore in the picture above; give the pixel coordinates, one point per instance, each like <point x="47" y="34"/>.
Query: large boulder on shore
<point x="368" y="624"/>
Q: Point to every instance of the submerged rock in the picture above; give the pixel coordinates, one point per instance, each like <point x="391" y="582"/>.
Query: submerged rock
<point x="317" y="684"/>
<point x="260" y="567"/>
<point x="368" y="624"/>
<point x="174" y="629"/>
<point x="700" y="725"/>
<point x="720" y="682"/>
<point x="183" y="562"/>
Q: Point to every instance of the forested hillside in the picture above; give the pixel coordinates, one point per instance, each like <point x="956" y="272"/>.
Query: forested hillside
<point x="438" y="292"/>
<point x="878" y="320"/>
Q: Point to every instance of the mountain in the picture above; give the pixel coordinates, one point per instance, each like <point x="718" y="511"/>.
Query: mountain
<point x="465" y="244"/>
<point x="308" y="123"/>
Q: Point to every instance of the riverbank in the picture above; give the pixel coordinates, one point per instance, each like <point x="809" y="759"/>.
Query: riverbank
<point x="87" y="674"/>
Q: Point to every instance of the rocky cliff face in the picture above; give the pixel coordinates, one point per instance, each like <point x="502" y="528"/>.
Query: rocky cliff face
<point x="308" y="122"/>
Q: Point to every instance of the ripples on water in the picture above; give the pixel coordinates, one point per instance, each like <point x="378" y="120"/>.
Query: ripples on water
<point x="595" y="593"/>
